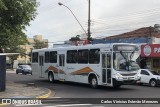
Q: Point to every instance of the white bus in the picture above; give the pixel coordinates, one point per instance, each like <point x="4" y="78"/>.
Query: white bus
<point x="100" y="64"/>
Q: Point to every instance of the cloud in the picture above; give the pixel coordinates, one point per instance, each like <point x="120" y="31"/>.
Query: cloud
<point x="56" y="23"/>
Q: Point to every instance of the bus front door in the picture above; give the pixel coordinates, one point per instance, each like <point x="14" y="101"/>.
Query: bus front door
<point x="61" y="63"/>
<point x="106" y="68"/>
<point x="41" y="63"/>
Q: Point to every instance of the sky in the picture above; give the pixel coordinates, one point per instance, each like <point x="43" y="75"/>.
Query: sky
<point x="108" y="18"/>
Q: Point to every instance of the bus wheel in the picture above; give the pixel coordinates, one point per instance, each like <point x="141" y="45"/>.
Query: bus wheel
<point x="93" y="82"/>
<point x="51" y="77"/>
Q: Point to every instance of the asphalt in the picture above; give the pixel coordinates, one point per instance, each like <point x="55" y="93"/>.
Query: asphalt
<point x="15" y="90"/>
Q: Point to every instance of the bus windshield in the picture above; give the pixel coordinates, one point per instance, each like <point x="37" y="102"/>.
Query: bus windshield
<point x="125" y="61"/>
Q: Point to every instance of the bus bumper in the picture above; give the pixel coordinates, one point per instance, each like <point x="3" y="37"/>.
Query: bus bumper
<point x="124" y="82"/>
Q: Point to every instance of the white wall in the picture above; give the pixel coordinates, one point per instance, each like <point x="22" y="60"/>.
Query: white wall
<point x="155" y="40"/>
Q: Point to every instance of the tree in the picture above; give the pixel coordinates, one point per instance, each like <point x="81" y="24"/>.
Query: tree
<point x="40" y="44"/>
<point x="15" y="15"/>
<point x="77" y="38"/>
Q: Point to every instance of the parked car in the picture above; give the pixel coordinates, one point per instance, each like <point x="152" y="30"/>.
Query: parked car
<point x="24" y="69"/>
<point x="149" y="77"/>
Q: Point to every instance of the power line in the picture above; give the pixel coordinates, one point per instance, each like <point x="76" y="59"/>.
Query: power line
<point x="131" y="16"/>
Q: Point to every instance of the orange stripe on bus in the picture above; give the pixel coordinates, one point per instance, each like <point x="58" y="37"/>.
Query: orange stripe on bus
<point x="85" y="70"/>
<point x="55" y="70"/>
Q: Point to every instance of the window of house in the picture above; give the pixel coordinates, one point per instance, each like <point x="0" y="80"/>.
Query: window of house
<point x="94" y="56"/>
<point x="72" y="56"/>
<point x="35" y="57"/>
<point x="47" y="56"/>
<point x="53" y="57"/>
<point x="83" y="56"/>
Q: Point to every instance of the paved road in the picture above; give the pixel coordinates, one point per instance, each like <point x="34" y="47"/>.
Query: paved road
<point x="75" y="90"/>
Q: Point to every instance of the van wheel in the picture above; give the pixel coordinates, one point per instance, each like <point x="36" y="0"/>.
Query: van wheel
<point x="93" y="82"/>
<point x="51" y="77"/>
<point x="153" y="83"/>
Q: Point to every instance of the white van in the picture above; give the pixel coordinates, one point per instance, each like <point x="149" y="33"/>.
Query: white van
<point x="149" y="77"/>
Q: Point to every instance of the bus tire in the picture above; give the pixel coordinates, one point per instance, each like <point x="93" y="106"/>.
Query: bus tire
<point x="93" y="81"/>
<point x="51" y="77"/>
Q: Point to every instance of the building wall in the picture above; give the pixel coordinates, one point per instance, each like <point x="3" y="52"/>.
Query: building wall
<point x="28" y="47"/>
<point x="38" y="37"/>
<point x="26" y="58"/>
<point x="155" y="40"/>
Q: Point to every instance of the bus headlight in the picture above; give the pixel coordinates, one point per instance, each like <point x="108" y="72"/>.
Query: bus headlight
<point x="118" y="76"/>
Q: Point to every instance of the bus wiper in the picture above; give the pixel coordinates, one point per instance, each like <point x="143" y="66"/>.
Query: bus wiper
<point x="126" y="59"/>
<point x="123" y="55"/>
<point x="131" y="56"/>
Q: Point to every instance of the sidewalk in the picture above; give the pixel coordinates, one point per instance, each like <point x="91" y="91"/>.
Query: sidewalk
<point x="14" y="90"/>
<point x="10" y="70"/>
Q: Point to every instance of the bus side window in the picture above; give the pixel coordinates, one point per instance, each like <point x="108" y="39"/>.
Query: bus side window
<point x="72" y="56"/>
<point x="94" y="56"/>
<point x="108" y="60"/>
<point x="83" y="56"/>
<point x="53" y="57"/>
<point x="35" y="57"/>
<point x="47" y="57"/>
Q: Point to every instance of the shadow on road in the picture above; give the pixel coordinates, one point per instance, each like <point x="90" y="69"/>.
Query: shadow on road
<point x="74" y="84"/>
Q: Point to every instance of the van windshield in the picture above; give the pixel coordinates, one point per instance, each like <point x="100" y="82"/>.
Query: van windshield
<point x="155" y="73"/>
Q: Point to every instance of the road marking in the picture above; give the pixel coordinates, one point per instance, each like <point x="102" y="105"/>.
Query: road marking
<point x="45" y="95"/>
<point x="57" y="97"/>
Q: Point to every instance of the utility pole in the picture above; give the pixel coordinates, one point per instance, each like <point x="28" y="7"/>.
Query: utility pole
<point x="89" y="20"/>
<point x="150" y="34"/>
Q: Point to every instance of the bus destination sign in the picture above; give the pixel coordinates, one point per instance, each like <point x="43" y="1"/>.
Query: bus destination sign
<point x="125" y="48"/>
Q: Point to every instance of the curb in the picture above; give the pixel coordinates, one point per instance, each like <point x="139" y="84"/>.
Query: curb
<point x="40" y="97"/>
<point x="45" y="95"/>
